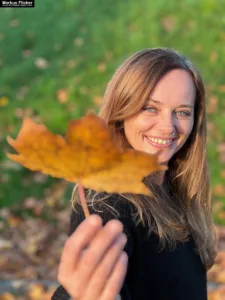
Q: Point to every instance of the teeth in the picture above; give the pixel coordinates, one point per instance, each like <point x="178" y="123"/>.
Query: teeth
<point x="160" y="141"/>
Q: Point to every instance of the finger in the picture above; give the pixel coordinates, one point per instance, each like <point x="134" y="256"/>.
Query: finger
<point x="101" y="275"/>
<point x="74" y="245"/>
<point x="95" y="252"/>
<point x="115" y="282"/>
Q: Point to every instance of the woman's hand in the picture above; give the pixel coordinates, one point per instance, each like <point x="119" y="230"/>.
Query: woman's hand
<point x="93" y="264"/>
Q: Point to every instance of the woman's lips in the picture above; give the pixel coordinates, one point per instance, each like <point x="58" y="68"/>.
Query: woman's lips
<point x="159" y="145"/>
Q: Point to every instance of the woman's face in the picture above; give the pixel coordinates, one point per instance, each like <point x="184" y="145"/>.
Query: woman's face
<point x="170" y="109"/>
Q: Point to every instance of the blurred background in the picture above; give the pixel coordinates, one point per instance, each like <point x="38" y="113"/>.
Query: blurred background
<point x="55" y="62"/>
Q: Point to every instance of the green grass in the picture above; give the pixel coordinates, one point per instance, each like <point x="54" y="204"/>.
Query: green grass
<point x="83" y="42"/>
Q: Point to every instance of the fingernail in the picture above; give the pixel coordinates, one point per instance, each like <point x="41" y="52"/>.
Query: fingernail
<point x="93" y="220"/>
<point x="123" y="257"/>
<point x="122" y="239"/>
<point x="115" y="226"/>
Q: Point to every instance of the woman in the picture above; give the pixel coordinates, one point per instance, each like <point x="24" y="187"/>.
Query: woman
<point x="160" y="247"/>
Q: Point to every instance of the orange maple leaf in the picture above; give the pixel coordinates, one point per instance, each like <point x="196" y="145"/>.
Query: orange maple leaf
<point x="87" y="155"/>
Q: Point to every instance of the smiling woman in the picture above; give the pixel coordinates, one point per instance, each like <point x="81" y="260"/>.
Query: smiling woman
<point x="167" y="122"/>
<point x="160" y="247"/>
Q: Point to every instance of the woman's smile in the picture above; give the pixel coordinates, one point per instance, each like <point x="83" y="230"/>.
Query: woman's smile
<point x="159" y="142"/>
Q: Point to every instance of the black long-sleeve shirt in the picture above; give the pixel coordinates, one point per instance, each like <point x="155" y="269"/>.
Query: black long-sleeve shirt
<point x="151" y="275"/>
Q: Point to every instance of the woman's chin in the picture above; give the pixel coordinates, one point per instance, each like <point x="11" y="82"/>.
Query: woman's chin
<point x="163" y="157"/>
<point x="164" y="160"/>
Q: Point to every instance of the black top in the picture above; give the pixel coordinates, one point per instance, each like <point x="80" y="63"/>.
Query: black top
<point x="153" y="275"/>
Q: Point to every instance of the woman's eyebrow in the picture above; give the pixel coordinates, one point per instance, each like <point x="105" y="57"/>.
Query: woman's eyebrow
<point x="181" y="105"/>
<point x="186" y="105"/>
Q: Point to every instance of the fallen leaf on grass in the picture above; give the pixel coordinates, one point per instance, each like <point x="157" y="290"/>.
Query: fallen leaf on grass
<point x="71" y="63"/>
<point x="97" y="100"/>
<point x="169" y="23"/>
<point x="197" y="48"/>
<point x="36" y="291"/>
<point x="41" y="63"/>
<point x="62" y="96"/>
<point x="213" y="57"/>
<point x="84" y="90"/>
<point x="102" y="67"/>
<point x="79" y="42"/>
<point x="221" y="88"/>
<point x="4" y="101"/>
<point x="221" y="277"/>
<point x="217" y="294"/>
<point x="14" y="221"/>
<point x="7" y="296"/>
<point x="222" y="173"/>
<point x="218" y="190"/>
<point x="26" y="53"/>
<point x="88" y="155"/>
<point x="221" y="215"/>
<point x="14" y="23"/>
<point x="212" y="104"/>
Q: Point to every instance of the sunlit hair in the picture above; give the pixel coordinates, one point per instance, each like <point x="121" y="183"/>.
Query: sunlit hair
<point x="182" y="205"/>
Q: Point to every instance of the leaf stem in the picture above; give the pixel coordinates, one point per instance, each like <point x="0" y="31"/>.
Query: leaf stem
<point x="83" y="200"/>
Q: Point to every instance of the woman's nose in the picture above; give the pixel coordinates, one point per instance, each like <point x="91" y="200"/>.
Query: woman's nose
<point x="166" y="124"/>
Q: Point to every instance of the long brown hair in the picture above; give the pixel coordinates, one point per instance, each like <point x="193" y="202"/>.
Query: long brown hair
<point x="182" y="205"/>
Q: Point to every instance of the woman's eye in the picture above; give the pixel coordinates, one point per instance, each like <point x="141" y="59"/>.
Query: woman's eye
<point x="184" y="113"/>
<point x="149" y="109"/>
